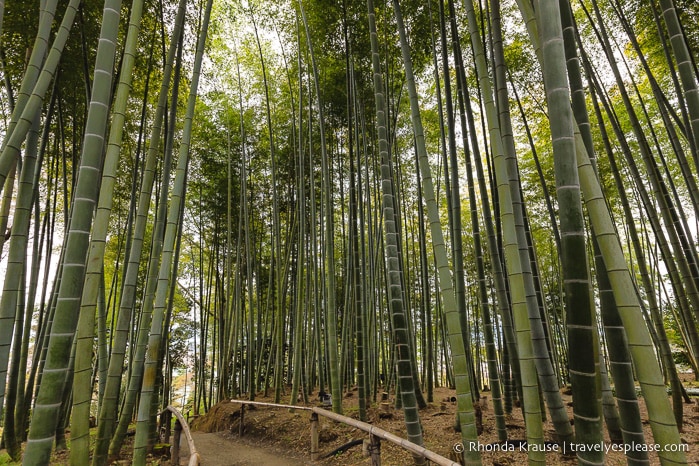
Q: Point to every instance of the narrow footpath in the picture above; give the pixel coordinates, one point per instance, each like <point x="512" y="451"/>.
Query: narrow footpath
<point x="219" y="449"/>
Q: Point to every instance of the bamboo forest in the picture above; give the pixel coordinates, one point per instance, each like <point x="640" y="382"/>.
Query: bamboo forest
<point x="472" y="223"/>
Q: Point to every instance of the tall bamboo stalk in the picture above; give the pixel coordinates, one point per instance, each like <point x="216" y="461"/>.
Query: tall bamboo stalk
<point x="50" y="397"/>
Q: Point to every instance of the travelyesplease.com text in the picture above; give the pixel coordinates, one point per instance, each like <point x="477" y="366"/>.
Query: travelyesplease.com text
<point x="565" y="448"/>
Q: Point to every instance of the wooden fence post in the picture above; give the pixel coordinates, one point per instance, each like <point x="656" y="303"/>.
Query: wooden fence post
<point x="375" y="450"/>
<point x="314" y="436"/>
<point x="176" y="443"/>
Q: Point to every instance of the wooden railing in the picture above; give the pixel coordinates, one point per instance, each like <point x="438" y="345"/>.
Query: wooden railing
<point x="180" y="426"/>
<point x="373" y="445"/>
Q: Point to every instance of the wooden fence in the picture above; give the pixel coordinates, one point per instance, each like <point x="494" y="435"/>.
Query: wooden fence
<point x="182" y="426"/>
<point x="373" y="444"/>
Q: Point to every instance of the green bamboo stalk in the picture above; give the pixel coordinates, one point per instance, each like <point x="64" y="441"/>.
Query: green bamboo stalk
<point x="618" y="350"/>
<point x="82" y="385"/>
<point x="35" y="83"/>
<point x="47" y="11"/>
<point x="645" y="363"/>
<point x="15" y="275"/>
<point x="127" y="299"/>
<point x="138" y="354"/>
<point x="48" y="403"/>
<point x="453" y="191"/>
<point x="458" y="351"/>
<point x="684" y="64"/>
<point x="13" y="141"/>
<point x="491" y="351"/>
<point x="544" y="365"/>
<point x="302" y="277"/>
<point x="165" y="273"/>
<point x="356" y="273"/>
<point x="582" y="332"/>
<point x="529" y="382"/>
<point x="329" y="244"/>
<point x="677" y="236"/>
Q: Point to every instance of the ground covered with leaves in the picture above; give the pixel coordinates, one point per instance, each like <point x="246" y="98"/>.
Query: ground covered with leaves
<point x="288" y="432"/>
<point x="285" y="434"/>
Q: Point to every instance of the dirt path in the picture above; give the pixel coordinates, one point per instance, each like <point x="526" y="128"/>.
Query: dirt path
<point x="219" y="449"/>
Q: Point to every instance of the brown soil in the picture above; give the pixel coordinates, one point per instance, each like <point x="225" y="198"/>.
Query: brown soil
<point x="279" y="437"/>
<point x="225" y="449"/>
<point x="287" y="434"/>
